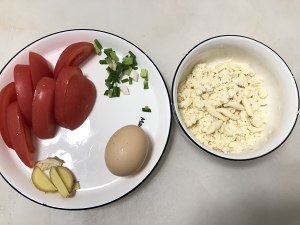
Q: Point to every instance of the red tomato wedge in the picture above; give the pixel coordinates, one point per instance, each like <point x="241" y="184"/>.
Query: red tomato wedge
<point x="8" y="95"/>
<point x="74" y="55"/>
<point x="24" y="90"/>
<point x="62" y="82"/>
<point x="80" y="98"/>
<point x="75" y="96"/>
<point x="39" y="67"/>
<point x="43" y="120"/>
<point x="20" y="133"/>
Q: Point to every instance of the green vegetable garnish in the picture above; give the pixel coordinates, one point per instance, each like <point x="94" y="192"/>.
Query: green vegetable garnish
<point x="144" y="73"/>
<point x="146" y="86"/>
<point x="130" y="80"/>
<point x="127" y="60"/>
<point x="146" y="109"/>
<point x="102" y="62"/>
<point x="116" y="92"/>
<point x="118" y="69"/>
<point x="125" y="80"/>
<point x="114" y="56"/>
<point x="98" y="47"/>
<point x="127" y="72"/>
<point x="107" y="51"/>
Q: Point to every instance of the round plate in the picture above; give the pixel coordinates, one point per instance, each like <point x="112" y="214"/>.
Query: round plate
<point x="83" y="149"/>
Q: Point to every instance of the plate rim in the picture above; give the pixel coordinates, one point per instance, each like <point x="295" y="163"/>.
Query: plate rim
<point x="165" y="145"/>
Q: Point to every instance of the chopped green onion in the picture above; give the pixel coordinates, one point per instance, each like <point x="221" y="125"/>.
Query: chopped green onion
<point x="130" y="60"/>
<point x="110" y="92"/>
<point x="127" y="60"/>
<point x="114" y="56"/>
<point x="134" y="74"/>
<point x="146" y="109"/>
<point x="130" y="80"/>
<point x="108" y="60"/>
<point x="102" y="62"/>
<point x="110" y="71"/>
<point x="117" y="69"/>
<point x="124" y="89"/>
<point x="113" y="65"/>
<point x="125" y="80"/>
<point x="144" y="73"/>
<point x="98" y="47"/>
<point x="134" y="58"/>
<point x="116" y="92"/>
<point x="128" y="71"/>
<point x="107" y="51"/>
<point x="146" y="85"/>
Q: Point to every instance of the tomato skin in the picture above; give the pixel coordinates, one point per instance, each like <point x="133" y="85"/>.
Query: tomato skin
<point x="39" y="67"/>
<point x="74" y="55"/>
<point x="43" y="120"/>
<point x="20" y="133"/>
<point x="75" y="96"/>
<point x="80" y="98"/>
<point x="62" y="82"/>
<point x="8" y="95"/>
<point x="24" y="90"/>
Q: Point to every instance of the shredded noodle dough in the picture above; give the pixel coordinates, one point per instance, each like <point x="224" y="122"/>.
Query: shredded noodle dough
<point x="224" y="105"/>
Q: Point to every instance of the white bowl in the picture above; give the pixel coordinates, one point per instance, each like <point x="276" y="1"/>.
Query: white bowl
<point x="283" y="95"/>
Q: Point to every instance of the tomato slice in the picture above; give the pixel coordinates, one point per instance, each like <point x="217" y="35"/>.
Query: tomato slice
<point x="62" y="82"/>
<point x="75" y="96"/>
<point x="8" y="95"/>
<point x="74" y="55"/>
<point x="39" y="67"/>
<point x="24" y="90"/>
<point x="43" y="121"/>
<point x="79" y="101"/>
<point x="20" y="134"/>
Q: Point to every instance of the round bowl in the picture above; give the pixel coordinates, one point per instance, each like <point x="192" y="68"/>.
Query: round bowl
<point x="283" y="95"/>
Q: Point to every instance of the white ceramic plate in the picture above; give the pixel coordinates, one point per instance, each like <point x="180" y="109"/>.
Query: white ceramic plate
<point x="83" y="149"/>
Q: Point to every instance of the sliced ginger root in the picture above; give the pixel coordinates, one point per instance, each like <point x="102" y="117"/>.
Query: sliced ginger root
<point x="61" y="179"/>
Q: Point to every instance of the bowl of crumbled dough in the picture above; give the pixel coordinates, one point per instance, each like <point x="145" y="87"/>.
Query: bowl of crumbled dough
<point x="235" y="97"/>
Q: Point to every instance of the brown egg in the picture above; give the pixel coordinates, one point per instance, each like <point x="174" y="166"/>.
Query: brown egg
<point x="126" y="150"/>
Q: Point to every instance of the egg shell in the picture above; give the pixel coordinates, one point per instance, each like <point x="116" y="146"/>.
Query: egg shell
<point x="126" y="150"/>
